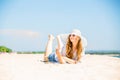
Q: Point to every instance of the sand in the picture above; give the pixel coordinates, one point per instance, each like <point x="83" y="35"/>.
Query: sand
<point x="30" y="67"/>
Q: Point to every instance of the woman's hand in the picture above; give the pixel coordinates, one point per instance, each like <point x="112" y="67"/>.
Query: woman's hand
<point x="71" y="61"/>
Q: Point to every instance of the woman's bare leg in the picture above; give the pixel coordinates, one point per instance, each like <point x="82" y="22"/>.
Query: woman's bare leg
<point x="58" y="50"/>
<point x="60" y="44"/>
<point x="48" y="47"/>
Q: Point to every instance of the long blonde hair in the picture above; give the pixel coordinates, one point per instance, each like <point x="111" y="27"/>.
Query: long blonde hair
<point x="69" y="51"/>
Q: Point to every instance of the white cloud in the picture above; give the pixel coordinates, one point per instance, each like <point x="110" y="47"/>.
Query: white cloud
<point x="19" y="33"/>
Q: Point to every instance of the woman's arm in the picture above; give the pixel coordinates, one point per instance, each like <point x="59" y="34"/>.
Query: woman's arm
<point x="71" y="61"/>
<point x="60" y="58"/>
<point x="63" y="59"/>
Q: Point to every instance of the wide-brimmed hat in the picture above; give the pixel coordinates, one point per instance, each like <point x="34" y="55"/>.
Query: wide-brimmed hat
<point x="76" y="32"/>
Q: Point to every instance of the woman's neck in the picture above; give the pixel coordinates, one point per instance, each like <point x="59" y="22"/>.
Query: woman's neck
<point x="74" y="46"/>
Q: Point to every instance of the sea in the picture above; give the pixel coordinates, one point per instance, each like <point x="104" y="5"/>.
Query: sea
<point x="113" y="53"/>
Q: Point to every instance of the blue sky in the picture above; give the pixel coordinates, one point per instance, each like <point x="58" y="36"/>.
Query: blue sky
<point x="25" y="24"/>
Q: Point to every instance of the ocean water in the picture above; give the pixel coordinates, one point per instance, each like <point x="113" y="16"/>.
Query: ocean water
<point x="114" y="53"/>
<point x="117" y="56"/>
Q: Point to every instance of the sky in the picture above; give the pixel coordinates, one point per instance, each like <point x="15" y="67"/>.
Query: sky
<point x="26" y="24"/>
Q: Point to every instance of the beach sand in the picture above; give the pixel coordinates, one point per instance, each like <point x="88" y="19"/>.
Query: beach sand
<point x="30" y="67"/>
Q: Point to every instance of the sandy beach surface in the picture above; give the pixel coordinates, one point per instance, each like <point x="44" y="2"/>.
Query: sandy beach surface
<point x="30" y="67"/>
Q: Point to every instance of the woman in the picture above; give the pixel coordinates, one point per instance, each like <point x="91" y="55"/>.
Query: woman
<point x="71" y="52"/>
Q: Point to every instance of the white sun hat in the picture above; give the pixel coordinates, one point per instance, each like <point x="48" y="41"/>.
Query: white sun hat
<point x="76" y="32"/>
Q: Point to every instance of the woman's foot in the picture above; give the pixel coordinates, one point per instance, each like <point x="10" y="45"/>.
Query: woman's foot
<point x="51" y="37"/>
<point x="45" y="59"/>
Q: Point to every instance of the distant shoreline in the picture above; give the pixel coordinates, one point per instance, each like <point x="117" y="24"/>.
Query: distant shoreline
<point x="113" y="53"/>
